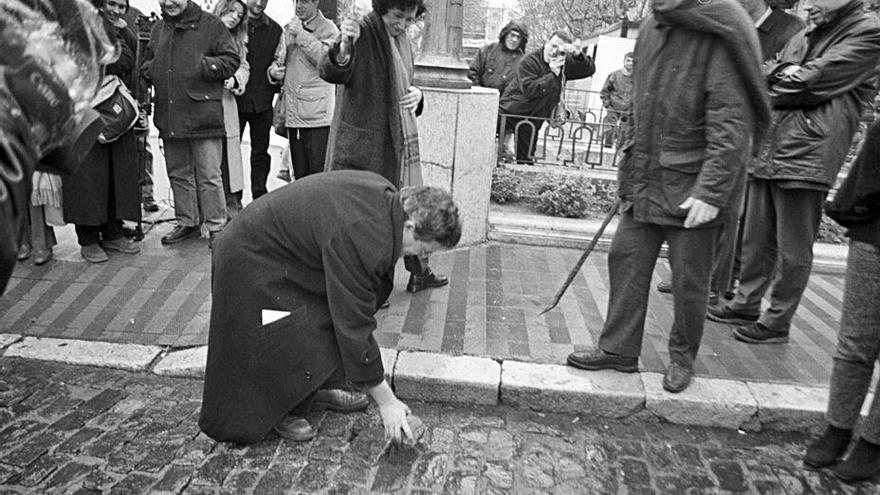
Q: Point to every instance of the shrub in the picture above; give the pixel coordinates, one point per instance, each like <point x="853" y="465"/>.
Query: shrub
<point x="506" y="186"/>
<point x="565" y="196"/>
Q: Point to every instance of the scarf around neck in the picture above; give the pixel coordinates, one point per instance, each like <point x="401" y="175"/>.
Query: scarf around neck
<point x="401" y="80"/>
<point x="728" y="21"/>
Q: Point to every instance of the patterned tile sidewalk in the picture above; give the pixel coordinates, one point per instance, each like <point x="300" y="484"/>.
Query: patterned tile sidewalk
<point x="162" y="296"/>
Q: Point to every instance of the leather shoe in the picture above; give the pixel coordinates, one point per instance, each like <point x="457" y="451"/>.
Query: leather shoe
<point x="42" y="256"/>
<point x="665" y="287"/>
<point x="123" y="245"/>
<point x="150" y="205"/>
<point x="723" y="314"/>
<point x="677" y="378"/>
<point x="180" y="233"/>
<point x="828" y="448"/>
<point x="295" y="428"/>
<point x="93" y="253"/>
<point x="428" y="280"/>
<point x="24" y="252"/>
<point x="339" y="400"/>
<point x="598" y="359"/>
<point x="861" y="464"/>
<point x="756" y="333"/>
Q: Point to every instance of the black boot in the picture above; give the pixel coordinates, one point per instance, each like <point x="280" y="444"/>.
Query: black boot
<point x="427" y="280"/>
<point x="828" y="448"/>
<point x="861" y="464"/>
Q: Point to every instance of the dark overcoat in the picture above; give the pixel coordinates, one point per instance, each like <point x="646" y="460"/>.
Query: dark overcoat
<point x="365" y="133"/>
<point x="323" y="249"/>
<point x="775" y="31"/>
<point x="87" y="192"/>
<point x="535" y="89"/>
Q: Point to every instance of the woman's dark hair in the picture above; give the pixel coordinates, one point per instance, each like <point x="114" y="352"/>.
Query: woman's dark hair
<point x="382" y="7"/>
<point x="434" y="214"/>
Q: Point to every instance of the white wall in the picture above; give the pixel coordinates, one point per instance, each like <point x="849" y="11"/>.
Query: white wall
<point x="609" y="57"/>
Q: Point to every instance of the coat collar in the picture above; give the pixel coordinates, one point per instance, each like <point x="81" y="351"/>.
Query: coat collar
<point x="188" y="19"/>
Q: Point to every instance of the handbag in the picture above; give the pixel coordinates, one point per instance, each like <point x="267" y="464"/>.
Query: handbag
<point x="560" y="112"/>
<point x="117" y="107"/>
<point x="279" y="116"/>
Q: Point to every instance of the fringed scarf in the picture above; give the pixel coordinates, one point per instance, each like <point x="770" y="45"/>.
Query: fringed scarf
<point x="401" y="80"/>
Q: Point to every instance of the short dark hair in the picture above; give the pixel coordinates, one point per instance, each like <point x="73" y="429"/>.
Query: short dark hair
<point x="434" y="214"/>
<point x="382" y="7"/>
<point x="563" y="35"/>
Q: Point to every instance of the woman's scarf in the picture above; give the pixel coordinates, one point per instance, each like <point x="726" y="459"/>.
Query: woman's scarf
<point x="401" y="80"/>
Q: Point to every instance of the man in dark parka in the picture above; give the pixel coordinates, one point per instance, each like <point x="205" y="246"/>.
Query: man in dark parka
<point x="329" y="271"/>
<point x="699" y="101"/>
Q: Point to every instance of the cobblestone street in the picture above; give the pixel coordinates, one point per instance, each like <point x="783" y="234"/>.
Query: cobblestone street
<point x="70" y="429"/>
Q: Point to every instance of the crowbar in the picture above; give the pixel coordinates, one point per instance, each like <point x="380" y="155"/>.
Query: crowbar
<point x="577" y="266"/>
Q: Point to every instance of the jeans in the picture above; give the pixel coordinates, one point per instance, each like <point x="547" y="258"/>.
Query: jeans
<point x="858" y="343"/>
<point x="631" y="261"/>
<point x="261" y="125"/>
<point x="194" y="172"/>
<point x="777" y="247"/>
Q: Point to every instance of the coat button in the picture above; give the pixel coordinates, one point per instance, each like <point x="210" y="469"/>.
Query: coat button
<point x="308" y="375"/>
<point x="214" y="66"/>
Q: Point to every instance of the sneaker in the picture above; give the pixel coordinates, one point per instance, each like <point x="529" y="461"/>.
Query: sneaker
<point x="828" y="448"/>
<point x="123" y="245"/>
<point x="677" y="377"/>
<point x="756" y="333"/>
<point x="284" y="175"/>
<point x="150" y="205"/>
<point x="93" y="253"/>
<point x="339" y="400"/>
<point x="295" y="428"/>
<point x="665" y="287"/>
<point x="723" y="314"/>
<point x="861" y="464"/>
<point x="428" y="280"/>
<point x="598" y="359"/>
<point x="180" y="233"/>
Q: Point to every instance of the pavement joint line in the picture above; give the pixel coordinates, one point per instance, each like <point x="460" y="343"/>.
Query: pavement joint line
<point x="435" y="377"/>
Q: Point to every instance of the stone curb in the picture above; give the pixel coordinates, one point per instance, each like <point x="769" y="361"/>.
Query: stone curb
<point x="435" y="377"/>
<point x="522" y="228"/>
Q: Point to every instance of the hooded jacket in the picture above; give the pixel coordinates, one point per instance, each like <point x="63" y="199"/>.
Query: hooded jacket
<point x="494" y="65"/>
<point x="817" y="108"/>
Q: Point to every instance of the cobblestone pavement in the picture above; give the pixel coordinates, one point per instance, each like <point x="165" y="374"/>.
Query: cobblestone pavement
<point x="69" y="429"/>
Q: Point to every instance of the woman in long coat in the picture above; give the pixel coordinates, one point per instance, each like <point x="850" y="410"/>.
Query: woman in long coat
<point x="294" y="295"/>
<point x="374" y="124"/>
<point x="233" y="14"/>
<point x="105" y="189"/>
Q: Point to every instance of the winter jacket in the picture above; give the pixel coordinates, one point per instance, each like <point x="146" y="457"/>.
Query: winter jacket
<point x="366" y="131"/>
<point x="817" y="109"/>
<point x="494" y="65"/>
<point x="616" y="94"/>
<point x="535" y="90"/>
<point x="692" y="116"/>
<point x="187" y="62"/>
<point x="308" y="100"/>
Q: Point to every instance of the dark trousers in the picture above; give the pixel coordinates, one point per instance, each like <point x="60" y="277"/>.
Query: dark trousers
<point x="777" y="248"/>
<point x="261" y="125"/>
<point x="145" y="164"/>
<point x="233" y="199"/>
<point x="727" y="252"/>
<point x="87" y="235"/>
<point x="526" y="137"/>
<point x="415" y="265"/>
<point x="631" y="261"/>
<point x="308" y="150"/>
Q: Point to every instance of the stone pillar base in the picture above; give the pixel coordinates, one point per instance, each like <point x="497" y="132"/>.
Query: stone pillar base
<point x="457" y="148"/>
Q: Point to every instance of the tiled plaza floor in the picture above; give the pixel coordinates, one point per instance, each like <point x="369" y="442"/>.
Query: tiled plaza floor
<point x="162" y="296"/>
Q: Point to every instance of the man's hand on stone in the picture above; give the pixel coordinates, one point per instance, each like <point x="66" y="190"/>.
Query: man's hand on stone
<point x="394" y="414"/>
<point x="699" y="212"/>
<point x="410" y="101"/>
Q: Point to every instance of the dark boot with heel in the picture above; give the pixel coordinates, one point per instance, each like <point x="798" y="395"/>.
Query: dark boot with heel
<point x="861" y="464"/>
<point x="828" y="448"/>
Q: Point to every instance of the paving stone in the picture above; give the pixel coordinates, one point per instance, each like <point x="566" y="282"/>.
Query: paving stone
<point x="240" y="482"/>
<point x="37" y="471"/>
<point x="215" y="469"/>
<point x="277" y="479"/>
<point x="130" y="357"/>
<point x="89" y="409"/>
<point x="394" y="469"/>
<point x="706" y="402"/>
<point x="33" y="449"/>
<point x="7" y="339"/>
<point x="133" y="484"/>
<point x="441" y="378"/>
<point x="173" y="480"/>
<point x="790" y="407"/>
<point x="730" y="476"/>
<point x="430" y="470"/>
<point x="68" y="474"/>
<point x="184" y="363"/>
<point x="548" y="387"/>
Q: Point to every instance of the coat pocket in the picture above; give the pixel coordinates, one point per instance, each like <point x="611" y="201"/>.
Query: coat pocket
<point x="678" y="174"/>
<point x="310" y="105"/>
